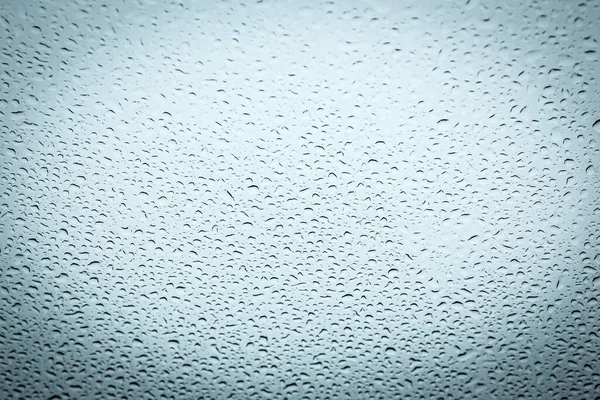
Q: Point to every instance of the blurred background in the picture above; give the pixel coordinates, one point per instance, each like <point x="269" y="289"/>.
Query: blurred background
<point x="299" y="200"/>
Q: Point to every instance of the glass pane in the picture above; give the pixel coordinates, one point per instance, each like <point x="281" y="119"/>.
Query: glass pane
<point x="299" y="200"/>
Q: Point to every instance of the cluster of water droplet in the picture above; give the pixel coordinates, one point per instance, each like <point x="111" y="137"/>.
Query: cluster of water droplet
<point x="359" y="199"/>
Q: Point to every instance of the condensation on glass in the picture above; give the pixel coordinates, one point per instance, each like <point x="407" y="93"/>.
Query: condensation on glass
<point x="299" y="200"/>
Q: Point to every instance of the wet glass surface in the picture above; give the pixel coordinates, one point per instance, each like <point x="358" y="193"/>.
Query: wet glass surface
<point x="301" y="200"/>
